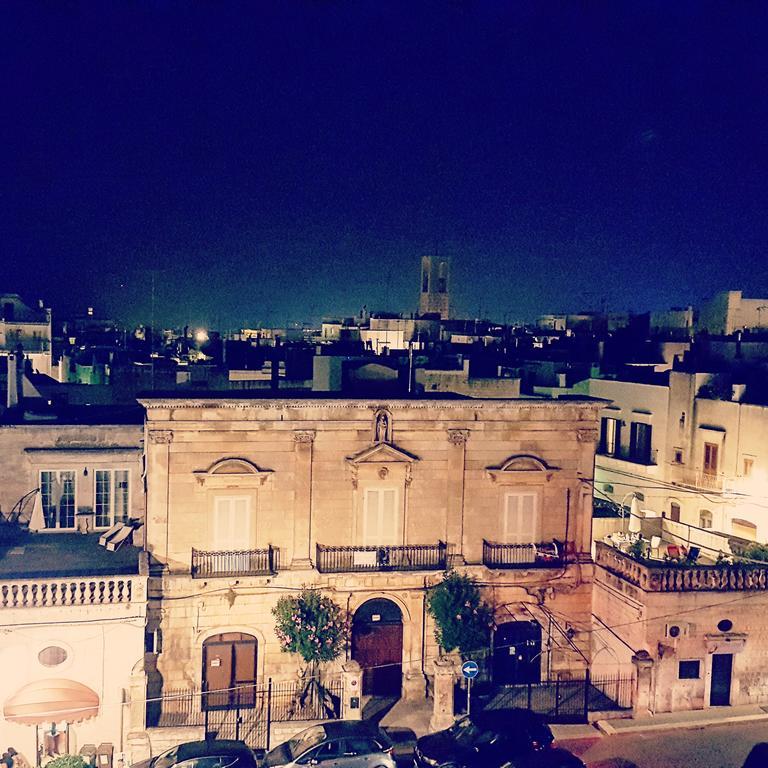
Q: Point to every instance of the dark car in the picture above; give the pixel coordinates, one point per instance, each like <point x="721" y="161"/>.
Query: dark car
<point x="347" y="743"/>
<point x="546" y="758"/>
<point x="485" y="740"/>
<point x="203" y="754"/>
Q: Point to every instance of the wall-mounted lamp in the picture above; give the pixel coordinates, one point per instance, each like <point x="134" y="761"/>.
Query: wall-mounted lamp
<point x="85" y="472"/>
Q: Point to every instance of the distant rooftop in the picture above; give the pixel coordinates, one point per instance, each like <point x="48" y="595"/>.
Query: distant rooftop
<point x="25" y="555"/>
<point x="37" y="412"/>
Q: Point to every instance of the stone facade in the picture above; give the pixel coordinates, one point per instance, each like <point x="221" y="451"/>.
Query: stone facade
<point x="304" y="470"/>
<point x="678" y="620"/>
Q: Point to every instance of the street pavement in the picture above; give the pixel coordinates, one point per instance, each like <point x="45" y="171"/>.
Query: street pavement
<point x="710" y="746"/>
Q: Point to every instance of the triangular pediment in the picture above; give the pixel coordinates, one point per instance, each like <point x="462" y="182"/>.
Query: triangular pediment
<point x="381" y="453"/>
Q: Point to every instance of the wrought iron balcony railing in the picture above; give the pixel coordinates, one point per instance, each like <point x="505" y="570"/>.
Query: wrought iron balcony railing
<point x="412" y="557"/>
<point x="545" y="555"/>
<point x="246" y="562"/>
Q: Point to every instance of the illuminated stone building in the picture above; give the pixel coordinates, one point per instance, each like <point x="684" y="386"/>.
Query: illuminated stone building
<point x="249" y="498"/>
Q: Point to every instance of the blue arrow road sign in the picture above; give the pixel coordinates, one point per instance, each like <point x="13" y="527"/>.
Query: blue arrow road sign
<point x="470" y="669"/>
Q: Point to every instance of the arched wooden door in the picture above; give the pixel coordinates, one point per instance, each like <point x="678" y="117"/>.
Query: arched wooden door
<point x="517" y="653"/>
<point x="377" y="646"/>
<point x="229" y="670"/>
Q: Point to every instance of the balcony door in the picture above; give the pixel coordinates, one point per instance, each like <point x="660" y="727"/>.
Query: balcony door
<point x="520" y="518"/>
<point x="231" y="523"/>
<point x="710" y="458"/>
<point x="380" y="517"/>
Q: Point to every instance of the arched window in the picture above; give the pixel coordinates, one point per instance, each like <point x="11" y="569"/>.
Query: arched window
<point x="705" y="518"/>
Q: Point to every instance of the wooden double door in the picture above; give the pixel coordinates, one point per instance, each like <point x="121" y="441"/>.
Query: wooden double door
<point x="229" y="670"/>
<point x="377" y="646"/>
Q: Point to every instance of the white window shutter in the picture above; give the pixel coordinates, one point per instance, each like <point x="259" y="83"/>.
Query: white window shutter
<point x="388" y="529"/>
<point x="240" y="534"/>
<point x="520" y="523"/>
<point x="221" y="514"/>
<point x="371" y="517"/>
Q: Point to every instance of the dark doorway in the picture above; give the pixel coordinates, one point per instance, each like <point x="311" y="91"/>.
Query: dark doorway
<point x="229" y="670"/>
<point x="377" y="646"/>
<point x="722" y="666"/>
<point x="517" y="653"/>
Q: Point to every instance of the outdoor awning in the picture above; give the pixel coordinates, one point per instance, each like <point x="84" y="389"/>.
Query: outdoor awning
<point x="51" y="700"/>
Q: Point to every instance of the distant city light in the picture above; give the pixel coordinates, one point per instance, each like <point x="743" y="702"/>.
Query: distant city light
<point x="201" y="335"/>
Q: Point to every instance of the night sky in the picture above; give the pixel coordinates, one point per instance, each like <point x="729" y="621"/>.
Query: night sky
<point x="282" y="161"/>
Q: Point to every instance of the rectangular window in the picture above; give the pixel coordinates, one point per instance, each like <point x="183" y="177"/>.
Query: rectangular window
<point x="232" y="523"/>
<point x="640" y="442"/>
<point x="111" y="497"/>
<point x="57" y="495"/>
<point x="748" y="465"/>
<point x="689" y="670"/>
<point x="710" y="458"/>
<point x="520" y="523"/>
<point x="380" y="517"/>
<point x="610" y="436"/>
<point x="678" y="456"/>
<point x="674" y="512"/>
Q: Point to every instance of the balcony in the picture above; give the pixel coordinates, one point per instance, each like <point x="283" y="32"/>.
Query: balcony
<point x="85" y="591"/>
<point x="658" y="576"/>
<point x="545" y="555"/>
<point x="698" y="478"/>
<point x="244" y="562"/>
<point x="413" y="557"/>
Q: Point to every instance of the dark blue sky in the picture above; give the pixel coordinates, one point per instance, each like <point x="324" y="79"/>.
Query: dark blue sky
<point x="277" y="161"/>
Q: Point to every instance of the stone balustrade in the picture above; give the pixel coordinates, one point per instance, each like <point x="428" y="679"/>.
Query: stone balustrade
<point x="89" y="591"/>
<point x="651" y="577"/>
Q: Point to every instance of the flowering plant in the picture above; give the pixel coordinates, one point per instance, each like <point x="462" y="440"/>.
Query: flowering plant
<point x="462" y="620"/>
<point x="311" y="625"/>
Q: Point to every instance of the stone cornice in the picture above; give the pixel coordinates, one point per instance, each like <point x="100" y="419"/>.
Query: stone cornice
<point x="152" y="404"/>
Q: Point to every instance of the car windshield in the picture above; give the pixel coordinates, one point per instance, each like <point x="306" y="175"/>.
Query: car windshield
<point x="465" y="731"/>
<point x="166" y="759"/>
<point x="305" y="740"/>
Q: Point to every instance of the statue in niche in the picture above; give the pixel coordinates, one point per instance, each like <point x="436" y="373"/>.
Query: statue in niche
<point x="382" y="427"/>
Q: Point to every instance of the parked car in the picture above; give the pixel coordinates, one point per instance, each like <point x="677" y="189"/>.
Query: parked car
<point x="340" y="743"/>
<point x="488" y="739"/>
<point x="556" y="757"/>
<point x="203" y="754"/>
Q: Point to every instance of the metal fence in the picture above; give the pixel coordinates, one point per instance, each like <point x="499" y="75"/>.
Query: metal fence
<point x="616" y="690"/>
<point x="248" y="713"/>
<point x="560" y="700"/>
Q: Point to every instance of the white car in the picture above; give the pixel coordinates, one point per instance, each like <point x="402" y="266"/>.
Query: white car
<point x="336" y="744"/>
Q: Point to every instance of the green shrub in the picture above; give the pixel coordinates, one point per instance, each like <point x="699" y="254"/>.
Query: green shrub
<point x="756" y="552"/>
<point x="463" y="621"/>
<point x="67" y="761"/>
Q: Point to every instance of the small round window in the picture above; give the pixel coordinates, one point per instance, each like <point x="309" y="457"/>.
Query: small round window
<point x="52" y="656"/>
<point x="726" y="625"/>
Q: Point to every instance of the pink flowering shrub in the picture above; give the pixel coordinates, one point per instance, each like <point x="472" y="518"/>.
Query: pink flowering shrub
<point x="311" y="625"/>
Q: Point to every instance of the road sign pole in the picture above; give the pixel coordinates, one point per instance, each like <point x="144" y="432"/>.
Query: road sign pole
<point x="469" y="694"/>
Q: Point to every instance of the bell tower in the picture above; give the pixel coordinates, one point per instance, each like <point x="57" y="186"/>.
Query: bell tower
<point x="435" y="282"/>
